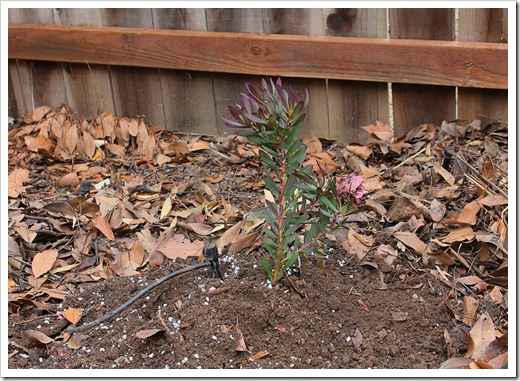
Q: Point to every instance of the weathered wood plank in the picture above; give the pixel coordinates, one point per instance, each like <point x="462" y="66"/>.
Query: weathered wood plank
<point x="306" y="22"/>
<point x="413" y="104"/>
<point x="90" y="83"/>
<point x="467" y="64"/>
<point x="483" y="25"/>
<point x="480" y="24"/>
<point x="353" y="104"/>
<point x="136" y="90"/>
<point x="227" y="88"/>
<point x="189" y="103"/>
<point x="36" y="84"/>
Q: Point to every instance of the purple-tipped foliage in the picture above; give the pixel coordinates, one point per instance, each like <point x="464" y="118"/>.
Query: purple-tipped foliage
<point x="268" y="107"/>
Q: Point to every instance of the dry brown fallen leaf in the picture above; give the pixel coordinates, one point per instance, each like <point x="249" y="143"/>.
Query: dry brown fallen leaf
<point x="73" y="315"/>
<point x="468" y="215"/>
<point x="411" y="240"/>
<point x="470" y="310"/>
<point x="146" y="333"/>
<point x="181" y="247"/>
<point x="37" y="338"/>
<point x="241" y="344"/>
<point x="101" y="223"/>
<point x="15" y="182"/>
<point x="43" y="262"/>
<point x="483" y="334"/>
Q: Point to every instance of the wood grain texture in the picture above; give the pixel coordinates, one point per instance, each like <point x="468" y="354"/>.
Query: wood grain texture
<point x="304" y="22"/>
<point x="483" y="25"/>
<point x="227" y="88"/>
<point x="414" y="105"/>
<point x="37" y="85"/>
<point x="90" y="83"/>
<point x="189" y="102"/>
<point x="422" y="23"/>
<point x="467" y="64"/>
<point x="136" y="89"/>
<point x="353" y="104"/>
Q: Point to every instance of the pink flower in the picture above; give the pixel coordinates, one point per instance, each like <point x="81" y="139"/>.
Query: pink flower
<point x="352" y="185"/>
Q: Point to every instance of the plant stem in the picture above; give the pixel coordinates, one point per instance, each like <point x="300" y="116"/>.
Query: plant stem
<point x="281" y="216"/>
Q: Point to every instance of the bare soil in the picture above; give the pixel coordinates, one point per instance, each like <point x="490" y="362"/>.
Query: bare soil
<point x="401" y="327"/>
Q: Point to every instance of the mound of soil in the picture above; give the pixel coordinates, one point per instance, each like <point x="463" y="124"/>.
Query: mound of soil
<point x="340" y="317"/>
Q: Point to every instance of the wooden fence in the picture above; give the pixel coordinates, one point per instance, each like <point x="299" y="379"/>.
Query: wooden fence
<point x="176" y="67"/>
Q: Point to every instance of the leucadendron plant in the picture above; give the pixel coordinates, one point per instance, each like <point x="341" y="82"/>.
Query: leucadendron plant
<point x="272" y="117"/>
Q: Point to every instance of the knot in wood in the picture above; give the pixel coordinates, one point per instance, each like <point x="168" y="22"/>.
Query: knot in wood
<point x="259" y="51"/>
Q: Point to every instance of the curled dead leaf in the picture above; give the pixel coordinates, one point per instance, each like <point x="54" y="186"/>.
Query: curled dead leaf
<point x="146" y="333"/>
<point x="75" y="341"/>
<point x="69" y="180"/>
<point x="73" y="315"/>
<point x="363" y="306"/>
<point x="241" y="344"/>
<point x="15" y="182"/>
<point x="37" y="338"/>
<point x="101" y="223"/>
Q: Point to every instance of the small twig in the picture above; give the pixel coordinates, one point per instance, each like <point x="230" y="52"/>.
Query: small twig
<point x="483" y="179"/>
<point x="480" y="186"/>
<point x="34" y="319"/>
<point x="409" y="158"/>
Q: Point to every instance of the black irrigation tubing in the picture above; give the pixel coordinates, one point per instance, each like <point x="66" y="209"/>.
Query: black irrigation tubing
<point x="211" y="254"/>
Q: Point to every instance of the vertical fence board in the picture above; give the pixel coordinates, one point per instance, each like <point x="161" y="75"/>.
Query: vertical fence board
<point x="137" y="91"/>
<point x="12" y="106"/>
<point x="246" y="20"/>
<point x="189" y="103"/>
<point x="417" y="104"/>
<point x="483" y="25"/>
<point x="90" y="83"/>
<point x="46" y="81"/>
<point x="353" y="104"/>
<point x="308" y="22"/>
<point x="227" y="88"/>
<point x="19" y="96"/>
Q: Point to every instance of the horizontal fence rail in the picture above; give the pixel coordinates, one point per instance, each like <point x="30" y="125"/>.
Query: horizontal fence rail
<point x="447" y="63"/>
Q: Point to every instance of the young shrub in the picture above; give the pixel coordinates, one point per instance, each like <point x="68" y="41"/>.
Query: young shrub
<point x="271" y="117"/>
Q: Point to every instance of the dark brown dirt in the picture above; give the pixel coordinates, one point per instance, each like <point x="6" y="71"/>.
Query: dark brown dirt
<point x="401" y="327"/>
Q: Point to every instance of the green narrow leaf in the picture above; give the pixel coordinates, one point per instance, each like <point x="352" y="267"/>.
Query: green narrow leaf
<point x="325" y="212"/>
<point x="300" y="155"/>
<point x="294" y="146"/>
<point x="270" y="233"/>
<point x="328" y="203"/>
<point x="270" y="242"/>
<point x="295" y="130"/>
<point x="305" y="186"/>
<point x="271" y="185"/>
<point x="268" y="268"/>
<point x="289" y="239"/>
<point x="291" y="260"/>
<point x="267" y="159"/>
<point x="271" y="206"/>
<point x="271" y="221"/>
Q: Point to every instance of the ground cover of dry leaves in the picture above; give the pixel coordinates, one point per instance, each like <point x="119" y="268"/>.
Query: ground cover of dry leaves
<point x="101" y="207"/>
